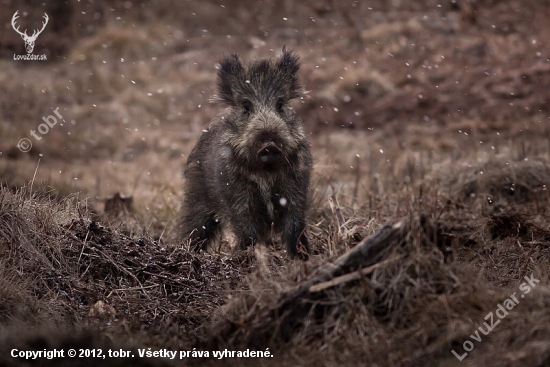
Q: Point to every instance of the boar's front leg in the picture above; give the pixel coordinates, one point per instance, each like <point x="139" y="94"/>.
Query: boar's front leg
<point x="294" y="237"/>
<point x="245" y="218"/>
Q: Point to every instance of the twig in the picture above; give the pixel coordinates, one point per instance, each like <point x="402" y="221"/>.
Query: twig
<point x="82" y="251"/>
<point x="337" y="212"/>
<point x="350" y="276"/>
<point x="357" y="178"/>
<point x="33" y="177"/>
<point x="120" y="268"/>
<point x="131" y="289"/>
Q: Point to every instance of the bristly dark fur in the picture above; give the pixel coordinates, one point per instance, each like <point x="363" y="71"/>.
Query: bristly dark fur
<point x="262" y="79"/>
<point x="251" y="170"/>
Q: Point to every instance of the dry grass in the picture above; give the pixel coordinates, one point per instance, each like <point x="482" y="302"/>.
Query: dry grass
<point x="452" y="267"/>
<point x="466" y="167"/>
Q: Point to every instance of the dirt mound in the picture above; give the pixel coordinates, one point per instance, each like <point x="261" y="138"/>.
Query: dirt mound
<point x="61" y="268"/>
<point x="503" y="179"/>
<point x="396" y="300"/>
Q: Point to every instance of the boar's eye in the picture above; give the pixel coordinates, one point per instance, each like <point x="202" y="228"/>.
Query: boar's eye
<point x="247" y="106"/>
<point x="280" y="105"/>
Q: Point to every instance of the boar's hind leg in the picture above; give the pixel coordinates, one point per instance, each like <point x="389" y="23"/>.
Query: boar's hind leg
<point x="295" y="238"/>
<point x="200" y="226"/>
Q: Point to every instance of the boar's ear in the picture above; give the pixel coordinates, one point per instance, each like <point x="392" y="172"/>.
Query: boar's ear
<point x="230" y="77"/>
<point x="288" y="66"/>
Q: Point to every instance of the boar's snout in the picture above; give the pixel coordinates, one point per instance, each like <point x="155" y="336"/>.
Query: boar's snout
<point x="269" y="153"/>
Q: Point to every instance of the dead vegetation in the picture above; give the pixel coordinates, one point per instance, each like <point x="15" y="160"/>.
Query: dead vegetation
<point x="407" y="295"/>
<point x="429" y="207"/>
<point x="419" y="288"/>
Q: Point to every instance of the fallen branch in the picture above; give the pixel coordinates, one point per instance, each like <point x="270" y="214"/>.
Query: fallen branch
<point x="281" y="320"/>
<point x="367" y="252"/>
<point x="350" y="276"/>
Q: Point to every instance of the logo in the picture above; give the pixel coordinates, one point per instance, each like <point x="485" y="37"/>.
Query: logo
<point x="29" y="40"/>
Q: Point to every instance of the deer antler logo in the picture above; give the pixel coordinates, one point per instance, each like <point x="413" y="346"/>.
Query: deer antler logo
<point x="29" y="40"/>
